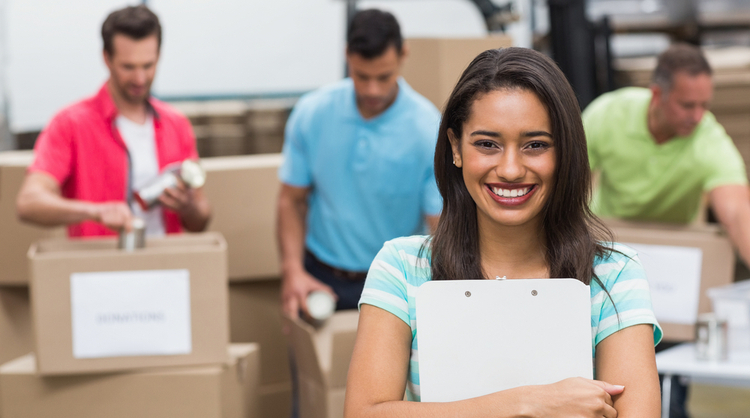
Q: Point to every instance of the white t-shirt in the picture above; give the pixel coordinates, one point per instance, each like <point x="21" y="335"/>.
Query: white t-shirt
<point x="141" y="143"/>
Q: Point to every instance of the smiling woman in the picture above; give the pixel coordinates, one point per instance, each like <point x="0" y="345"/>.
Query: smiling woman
<point x="509" y="159"/>
<point x="512" y="168"/>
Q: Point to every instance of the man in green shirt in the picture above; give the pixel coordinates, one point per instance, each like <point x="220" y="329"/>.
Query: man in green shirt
<point x="659" y="150"/>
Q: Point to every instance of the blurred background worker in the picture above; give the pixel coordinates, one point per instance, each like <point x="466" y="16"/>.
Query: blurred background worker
<point x="357" y="170"/>
<point x="95" y="153"/>
<point x="658" y="150"/>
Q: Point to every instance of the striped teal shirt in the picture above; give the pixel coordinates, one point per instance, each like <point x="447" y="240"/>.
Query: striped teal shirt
<point x="398" y="270"/>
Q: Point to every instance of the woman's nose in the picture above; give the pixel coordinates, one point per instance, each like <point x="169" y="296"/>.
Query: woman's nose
<point x="510" y="167"/>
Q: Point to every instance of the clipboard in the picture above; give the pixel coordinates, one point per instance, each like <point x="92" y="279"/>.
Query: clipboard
<point x="477" y="337"/>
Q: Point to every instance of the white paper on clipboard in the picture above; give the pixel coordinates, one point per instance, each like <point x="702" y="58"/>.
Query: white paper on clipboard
<point x="481" y="336"/>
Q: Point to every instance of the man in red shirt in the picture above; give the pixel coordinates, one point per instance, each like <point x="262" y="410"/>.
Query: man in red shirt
<point x="95" y="153"/>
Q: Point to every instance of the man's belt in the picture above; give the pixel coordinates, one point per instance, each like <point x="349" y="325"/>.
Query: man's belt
<point x="352" y="276"/>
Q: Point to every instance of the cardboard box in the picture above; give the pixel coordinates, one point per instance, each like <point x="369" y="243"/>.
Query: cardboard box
<point x="243" y="191"/>
<point x="16" y="236"/>
<point x="322" y="356"/>
<point x="219" y="391"/>
<point x="255" y="316"/>
<point x="16" y="335"/>
<point x="434" y="65"/>
<point x="198" y="311"/>
<point x="716" y="267"/>
<point x="275" y="400"/>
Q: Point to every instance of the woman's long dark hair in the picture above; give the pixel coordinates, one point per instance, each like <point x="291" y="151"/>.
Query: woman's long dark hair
<point x="573" y="234"/>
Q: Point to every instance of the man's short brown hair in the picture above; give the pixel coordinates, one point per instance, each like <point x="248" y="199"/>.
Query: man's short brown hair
<point x="679" y="58"/>
<point x="136" y="22"/>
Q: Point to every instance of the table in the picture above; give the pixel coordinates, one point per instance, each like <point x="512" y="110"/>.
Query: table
<point x="681" y="361"/>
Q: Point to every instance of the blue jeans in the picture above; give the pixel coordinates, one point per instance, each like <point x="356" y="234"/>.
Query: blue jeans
<point x="348" y="291"/>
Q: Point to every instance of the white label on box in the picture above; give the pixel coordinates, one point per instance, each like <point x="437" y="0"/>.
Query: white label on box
<point x="674" y="278"/>
<point x="130" y="313"/>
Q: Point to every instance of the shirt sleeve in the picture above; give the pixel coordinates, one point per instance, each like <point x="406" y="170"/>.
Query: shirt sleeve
<point x="54" y="149"/>
<point x="726" y="165"/>
<point x="627" y="285"/>
<point x="590" y="118"/>
<point x="295" y="169"/>
<point x="385" y="286"/>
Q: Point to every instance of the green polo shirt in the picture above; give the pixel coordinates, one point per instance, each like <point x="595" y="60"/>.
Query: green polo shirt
<point x="640" y="179"/>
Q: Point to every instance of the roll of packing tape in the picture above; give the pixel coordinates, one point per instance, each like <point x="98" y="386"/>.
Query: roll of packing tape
<point x="320" y="305"/>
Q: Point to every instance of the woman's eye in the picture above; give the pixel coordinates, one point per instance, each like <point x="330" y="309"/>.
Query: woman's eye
<point x="538" y="146"/>
<point x="484" y="144"/>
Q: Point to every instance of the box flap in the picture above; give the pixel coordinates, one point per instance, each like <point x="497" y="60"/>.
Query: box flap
<point x="323" y="354"/>
<point x="21" y="365"/>
<point x="107" y="246"/>
<point x="302" y="336"/>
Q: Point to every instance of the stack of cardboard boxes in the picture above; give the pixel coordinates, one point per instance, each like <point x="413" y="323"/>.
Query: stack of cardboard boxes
<point x="141" y="333"/>
<point x="15" y="309"/>
<point x="204" y="359"/>
<point x="243" y="191"/>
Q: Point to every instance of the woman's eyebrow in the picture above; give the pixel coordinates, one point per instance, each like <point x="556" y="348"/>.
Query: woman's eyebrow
<point x="532" y="134"/>
<point x="486" y="133"/>
<point x="529" y="134"/>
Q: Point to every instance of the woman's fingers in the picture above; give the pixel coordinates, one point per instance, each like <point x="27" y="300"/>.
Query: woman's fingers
<point x="610" y="388"/>
<point x="610" y="411"/>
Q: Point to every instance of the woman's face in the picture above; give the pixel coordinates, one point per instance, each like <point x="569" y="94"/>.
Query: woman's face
<point x="507" y="155"/>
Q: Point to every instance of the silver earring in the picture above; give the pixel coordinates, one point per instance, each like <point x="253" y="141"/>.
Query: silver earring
<point x="454" y="162"/>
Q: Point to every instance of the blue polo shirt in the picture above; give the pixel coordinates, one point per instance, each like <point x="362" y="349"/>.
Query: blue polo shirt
<point x="370" y="180"/>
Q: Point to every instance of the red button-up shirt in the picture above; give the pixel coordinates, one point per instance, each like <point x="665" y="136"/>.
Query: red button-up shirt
<point x="83" y="150"/>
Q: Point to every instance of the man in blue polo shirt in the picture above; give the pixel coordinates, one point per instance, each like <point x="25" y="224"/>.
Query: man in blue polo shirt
<point x="357" y="170"/>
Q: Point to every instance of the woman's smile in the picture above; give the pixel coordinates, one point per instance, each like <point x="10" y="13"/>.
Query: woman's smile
<point x="511" y="194"/>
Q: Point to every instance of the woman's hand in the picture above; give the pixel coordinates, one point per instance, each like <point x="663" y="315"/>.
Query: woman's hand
<point x="575" y="397"/>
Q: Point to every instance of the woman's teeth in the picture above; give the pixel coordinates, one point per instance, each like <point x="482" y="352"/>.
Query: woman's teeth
<point x="511" y="192"/>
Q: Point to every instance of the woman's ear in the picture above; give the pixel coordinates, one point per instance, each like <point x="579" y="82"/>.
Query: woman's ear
<point x="455" y="147"/>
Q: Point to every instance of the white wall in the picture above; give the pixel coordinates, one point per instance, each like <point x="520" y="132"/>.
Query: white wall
<point x="3" y="53"/>
<point x="3" y="29"/>
<point x="210" y="48"/>
<point x="6" y="142"/>
<point x="440" y="18"/>
<point x="249" y="47"/>
<point x="54" y="56"/>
